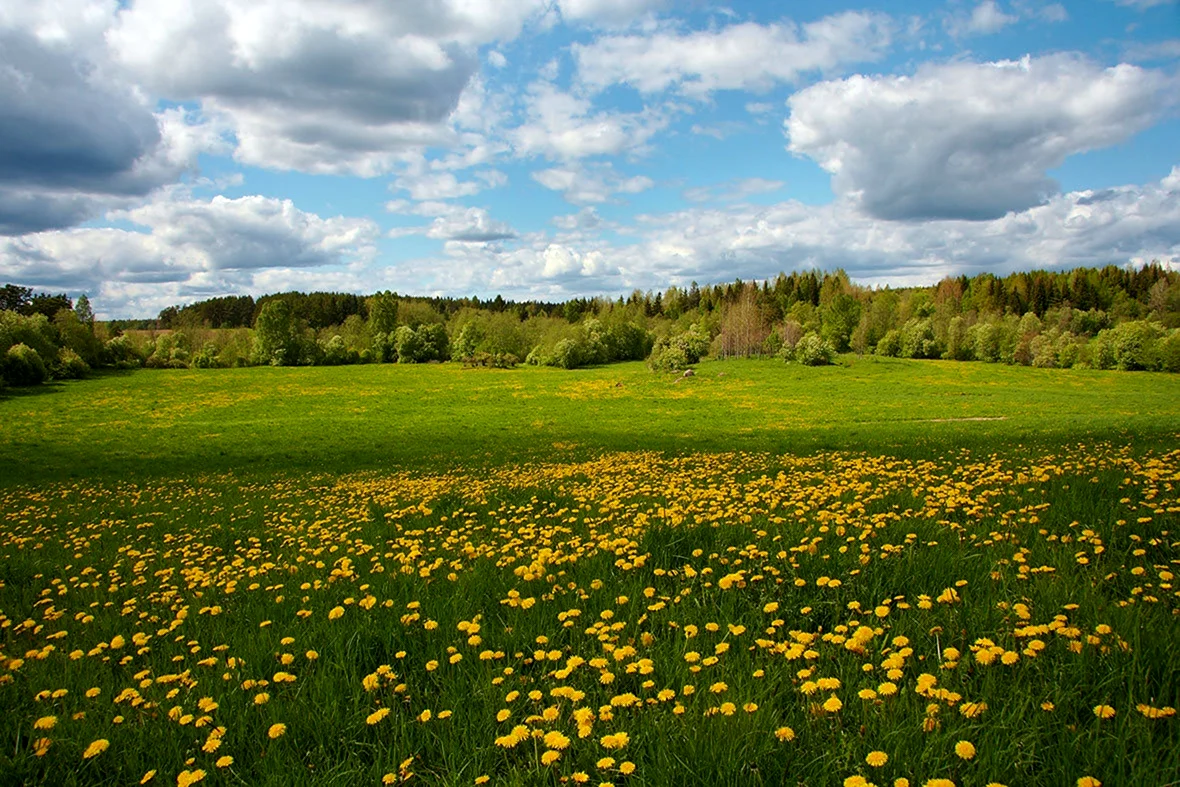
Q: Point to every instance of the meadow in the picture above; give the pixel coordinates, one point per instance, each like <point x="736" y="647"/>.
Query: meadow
<point x="886" y="572"/>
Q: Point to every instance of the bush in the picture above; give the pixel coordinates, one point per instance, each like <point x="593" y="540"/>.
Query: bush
<point x="918" y="340"/>
<point x="69" y="365"/>
<point x="814" y="351"/>
<point x="667" y="356"/>
<point x="23" y="366"/>
<point x="890" y="344"/>
<point x="337" y="353"/>
<point x="122" y="354"/>
<point x="1168" y="349"/>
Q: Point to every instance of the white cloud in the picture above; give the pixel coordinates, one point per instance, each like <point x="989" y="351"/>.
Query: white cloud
<point x="188" y="248"/>
<point x="454" y="223"/>
<point x="1168" y="49"/>
<point x="734" y="190"/>
<point x="469" y="225"/>
<point x="342" y="87"/>
<point x="985" y="19"/>
<point x="1130" y="224"/>
<point x="564" y="127"/>
<point x="1054" y="12"/>
<point x="586" y="185"/>
<point x="745" y="56"/>
<point x="587" y="219"/>
<point x="439" y="185"/>
<point x="966" y="140"/>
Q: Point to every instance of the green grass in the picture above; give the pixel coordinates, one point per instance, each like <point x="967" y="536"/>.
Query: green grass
<point x="343" y="419"/>
<point x="187" y="534"/>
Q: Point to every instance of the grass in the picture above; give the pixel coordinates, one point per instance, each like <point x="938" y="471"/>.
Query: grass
<point x="341" y="419"/>
<point x="437" y="575"/>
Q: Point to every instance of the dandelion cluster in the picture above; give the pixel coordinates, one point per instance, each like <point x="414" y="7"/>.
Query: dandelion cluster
<point x="571" y="621"/>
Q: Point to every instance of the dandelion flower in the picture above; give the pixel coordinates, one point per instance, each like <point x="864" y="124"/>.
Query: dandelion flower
<point x="876" y="758"/>
<point x="1104" y="711"/>
<point x="147" y="777"/>
<point x="276" y="730"/>
<point x="627" y="768"/>
<point x="96" y="748"/>
<point x="45" y="723"/>
<point x="225" y="761"/>
<point x="965" y="750"/>
<point x="833" y="704"/>
<point x="784" y="734"/>
<point x="1089" y="781"/>
<point x="376" y="716"/>
<point x="186" y="777"/>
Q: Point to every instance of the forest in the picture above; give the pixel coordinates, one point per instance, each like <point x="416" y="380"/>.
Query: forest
<point x="1104" y="318"/>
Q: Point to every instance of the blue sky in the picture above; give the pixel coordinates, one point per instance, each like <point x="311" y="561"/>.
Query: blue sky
<point x="162" y="152"/>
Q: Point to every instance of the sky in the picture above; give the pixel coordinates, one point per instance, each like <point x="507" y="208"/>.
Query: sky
<point x="160" y="152"/>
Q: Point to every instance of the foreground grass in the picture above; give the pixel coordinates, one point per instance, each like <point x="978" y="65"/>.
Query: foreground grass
<point x="543" y="578"/>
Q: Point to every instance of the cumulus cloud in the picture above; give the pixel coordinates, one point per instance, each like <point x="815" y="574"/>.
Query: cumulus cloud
<point x="338" y="87"/>
<point x="985" y="19"/>
<point x="75" y="140"/>
<point x="452" y="223"/>
<point x="745" y="56"/>
<point x="586" y="185"/>
<point x="186" y="245"/>
<point x="563" y="126"/>
<point x="965" y="140"/>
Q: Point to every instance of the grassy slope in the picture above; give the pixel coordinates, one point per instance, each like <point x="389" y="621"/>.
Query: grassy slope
<point x="352" y="418"/>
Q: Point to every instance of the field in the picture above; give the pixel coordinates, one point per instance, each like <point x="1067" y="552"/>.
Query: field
<point x="886" y="572"/>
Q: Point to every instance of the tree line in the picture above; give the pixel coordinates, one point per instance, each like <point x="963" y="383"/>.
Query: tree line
<point x="1107" y="318"/>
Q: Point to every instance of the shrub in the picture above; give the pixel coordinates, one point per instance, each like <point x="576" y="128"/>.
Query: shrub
<point x="407" y="345"/>
<point x="337" y="353"/>
<point x="918" y="340"/>
<point x="121" y="353"/>
<point x="23" y="366"/>
<point x="814" y="351"/>
<point x="69" y="365"/>
<point x="1169" y="351"/>
<point x="890" y="344"/>
<point x="667" y="356"/>
<point x="565" y="355"/>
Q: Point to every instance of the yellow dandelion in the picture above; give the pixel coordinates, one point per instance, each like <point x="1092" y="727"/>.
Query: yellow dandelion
<point x="876" y="758"/>
<point x="96" y="748"/>
<point x="277" y="730"/>
<point x="784" y="734"/>
<point x="376" y="716"/>
<point x="45" y="723"/>
<point x="147" y="777"/>
<point x="186" y="777"/>
<point x="965" y="750"/>
<point x="224" y="761"/>
<point x="1104" y="711"/>
<point x="1089" y="781"/>
<point x="627" y="768"/>
<point x="336" y="613"/>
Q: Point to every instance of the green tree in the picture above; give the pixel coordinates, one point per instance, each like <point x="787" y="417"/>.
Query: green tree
<point x="276" y="335"/>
